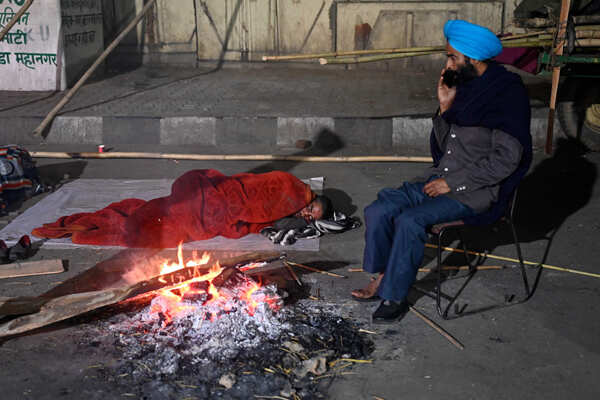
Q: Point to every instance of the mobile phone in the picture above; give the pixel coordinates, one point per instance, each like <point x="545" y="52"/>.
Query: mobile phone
<point x="450" y="77"/>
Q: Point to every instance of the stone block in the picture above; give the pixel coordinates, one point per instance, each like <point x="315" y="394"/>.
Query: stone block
<point x="131" y="130"/>
<point x="290" y="130"/>
<point x="375" y="134"/>
<point x="247" y="131"/>
<point x="411" y="134"/>
<point x="75" y="130"/>
<point x="188" y="130"/>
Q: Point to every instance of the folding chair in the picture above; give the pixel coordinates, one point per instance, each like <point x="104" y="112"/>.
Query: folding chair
<point x="439" y="230"/>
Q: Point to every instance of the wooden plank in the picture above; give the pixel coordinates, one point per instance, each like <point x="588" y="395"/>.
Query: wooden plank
<point x="64" y="307"/>
<point x="558" y="50"/>
<point x="111" y="272"/>
<point x="20" y="305"/>
<point x="30" y="268"/>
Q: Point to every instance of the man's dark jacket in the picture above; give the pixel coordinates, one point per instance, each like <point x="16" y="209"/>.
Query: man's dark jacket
<point x="497" y="100"/>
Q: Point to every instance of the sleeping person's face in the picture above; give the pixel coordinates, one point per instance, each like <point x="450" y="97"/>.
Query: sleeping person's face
<point x="311" y="212"/>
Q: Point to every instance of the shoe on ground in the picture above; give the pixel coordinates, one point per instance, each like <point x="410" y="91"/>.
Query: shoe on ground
<point x="389" y="311"/>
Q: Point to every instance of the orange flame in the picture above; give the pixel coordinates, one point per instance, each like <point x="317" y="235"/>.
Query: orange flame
<point x="194" y="262"/>
<point x="172" y="297"/>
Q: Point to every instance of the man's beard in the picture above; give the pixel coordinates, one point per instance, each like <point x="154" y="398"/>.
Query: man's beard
<point x="465" y="74"/>
<point x="462" y="75"/>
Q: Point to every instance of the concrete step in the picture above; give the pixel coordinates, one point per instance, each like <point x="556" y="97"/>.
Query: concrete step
<point x="246" y="110"/>
<point x="362" y="135"/>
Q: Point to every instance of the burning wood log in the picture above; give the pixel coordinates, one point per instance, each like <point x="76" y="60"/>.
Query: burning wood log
<point x="65" y="307"/>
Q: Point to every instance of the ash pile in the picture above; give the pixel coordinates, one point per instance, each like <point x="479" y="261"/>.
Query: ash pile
<point x="238" y="343"/>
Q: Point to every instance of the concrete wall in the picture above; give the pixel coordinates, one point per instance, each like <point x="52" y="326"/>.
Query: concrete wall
<point x="247" y="29"/>
<point x="405" y="24"/>
<point x="51" y="45"/>
<point x="31" y="53"/>
<point x="82" y="34"/>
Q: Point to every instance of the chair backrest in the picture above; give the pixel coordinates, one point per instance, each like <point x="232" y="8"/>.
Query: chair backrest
<point x="504" y="207"/>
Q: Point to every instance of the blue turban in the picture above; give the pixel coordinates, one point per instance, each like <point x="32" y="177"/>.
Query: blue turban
<point x="474" y="41"/>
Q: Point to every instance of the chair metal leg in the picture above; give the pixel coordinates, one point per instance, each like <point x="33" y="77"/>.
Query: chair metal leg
<point x="438" y="286"/>
<point x="451" y="298"/>
<point x="528" y="291"/>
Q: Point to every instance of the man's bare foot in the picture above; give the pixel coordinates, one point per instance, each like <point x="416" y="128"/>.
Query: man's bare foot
<point x="370" y="291"/>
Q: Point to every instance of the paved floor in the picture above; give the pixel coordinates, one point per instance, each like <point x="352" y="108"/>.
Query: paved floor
<point x="254" y="92"/>
<point x="547" y="348"/>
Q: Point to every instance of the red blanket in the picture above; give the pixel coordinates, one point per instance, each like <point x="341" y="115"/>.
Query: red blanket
<point x="202" y="204"/>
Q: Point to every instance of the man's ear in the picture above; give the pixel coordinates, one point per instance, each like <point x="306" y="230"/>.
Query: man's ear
<point x="479" y="66"/>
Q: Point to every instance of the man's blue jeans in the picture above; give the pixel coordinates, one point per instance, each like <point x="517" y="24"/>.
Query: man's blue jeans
<point x="396" y="234"/>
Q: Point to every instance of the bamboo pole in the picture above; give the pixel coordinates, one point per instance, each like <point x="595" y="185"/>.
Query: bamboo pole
<point x="502" y="258"/>
<point x="313" y="269"/>
<point x="558" y="50"/>
<point x="463" y="268"/>
<point x="333" y="54"/>
<point x="15" y="18"/>
<point x="587" y="28"/>
<point x="588" y="42"/>
<point x="365" y="59"/>
<point x="591" y="34"/>
<point x="40" y="129"/>
<point x="293" y="274"/>
<point x="229" y="157"/>
<point x="524" y="35"/>
<point x="438" y="328"/>
<point x="351" y="53"/>
<point x="446" y="268"/>
<point x="540" y="41"/>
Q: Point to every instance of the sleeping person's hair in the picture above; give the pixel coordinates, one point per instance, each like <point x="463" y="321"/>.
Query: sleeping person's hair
<point x="326" y="206"/>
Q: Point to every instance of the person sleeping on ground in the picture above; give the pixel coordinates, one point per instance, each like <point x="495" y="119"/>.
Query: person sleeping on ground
<point x="202" y="204"/>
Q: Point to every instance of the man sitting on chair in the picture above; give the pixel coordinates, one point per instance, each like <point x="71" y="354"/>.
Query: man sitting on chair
<point x="481" y="147"/>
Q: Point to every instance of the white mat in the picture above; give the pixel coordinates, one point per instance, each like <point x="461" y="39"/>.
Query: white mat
<point x="89" y="195"/>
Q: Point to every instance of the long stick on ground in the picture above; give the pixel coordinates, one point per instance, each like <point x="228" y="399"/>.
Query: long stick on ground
<point x="446" y="268"/>
<point x="230" y="157"/>
<point x="463" y="268"/>
<point x="475" y="253"/>
<point x="15" y="18"/>
<point x="293" y="274"/>
<point x="313" y="269"/>
<point x="438" y="328"/>
<point x="40" y="129"/>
